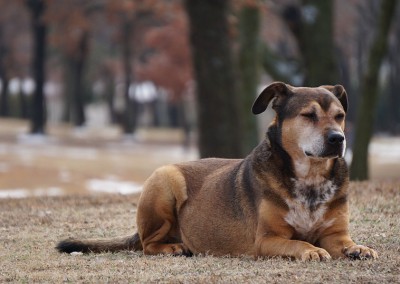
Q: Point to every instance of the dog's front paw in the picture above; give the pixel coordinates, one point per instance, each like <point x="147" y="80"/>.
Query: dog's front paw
<point x="359" y="252"/>
<point x="177" y="250"/>
<point x="318" y="254"/>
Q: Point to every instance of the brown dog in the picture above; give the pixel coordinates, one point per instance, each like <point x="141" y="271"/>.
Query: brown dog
<point x="287" y="198"/>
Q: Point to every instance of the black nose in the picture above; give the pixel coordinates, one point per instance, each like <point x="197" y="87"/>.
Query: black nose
<point x="335" y="138"/>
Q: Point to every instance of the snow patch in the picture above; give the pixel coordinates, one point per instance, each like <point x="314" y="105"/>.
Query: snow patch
<point x="113" y="186"/>
<point x="385" y="153"/>
<point x="34" y="139"/>
<point x="22" y="193"/>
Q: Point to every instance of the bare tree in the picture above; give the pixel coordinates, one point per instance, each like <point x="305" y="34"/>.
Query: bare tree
<point x="39" y="30"/>
<point x="312" y="25"/>
<point x="218" y="111"/>
<point x="369" y="92"/>
<point x="4" y="108"/>
<point x="249" y="57"/>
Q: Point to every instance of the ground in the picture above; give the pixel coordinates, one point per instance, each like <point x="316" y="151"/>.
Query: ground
<point x="78" y="166"/>
<point x="31" y="227"/>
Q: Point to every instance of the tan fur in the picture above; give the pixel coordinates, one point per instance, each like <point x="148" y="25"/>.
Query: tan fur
<point x="287" y="198"/>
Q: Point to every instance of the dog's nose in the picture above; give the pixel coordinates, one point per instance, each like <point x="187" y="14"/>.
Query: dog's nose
<point x="335" y="138"/>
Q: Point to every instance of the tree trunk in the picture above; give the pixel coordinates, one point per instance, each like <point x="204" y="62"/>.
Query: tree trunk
<point x="369" y="93"/>
<point x="23" y="105"/>
<point x="74" y="101"/>
<point x="249" y="58"/>
<point x="129" y="120"/>
<point x="110" y="96"/>
<point x="68" y="88"/>
<point x="217" y="100"/>
<point x="312" y="26"/>
<point x="393" y="116"/>
<point x="39" y="29"/>
<point x="270" y="62"/>
<point x="4" y="107"/>
<point x="4" y="103"/>
<point x="78" y="101"/>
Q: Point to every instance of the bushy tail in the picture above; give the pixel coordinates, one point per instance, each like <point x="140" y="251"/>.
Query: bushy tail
<point x="100" y="245"/>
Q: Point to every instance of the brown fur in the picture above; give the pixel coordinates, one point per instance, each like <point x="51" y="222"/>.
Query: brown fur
<point x="286" y="198"/>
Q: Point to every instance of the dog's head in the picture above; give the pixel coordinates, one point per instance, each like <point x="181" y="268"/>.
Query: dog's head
<point x="310" y="121"/>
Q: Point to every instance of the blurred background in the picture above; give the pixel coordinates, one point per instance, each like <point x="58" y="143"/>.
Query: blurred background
<point x="95" y="94"/>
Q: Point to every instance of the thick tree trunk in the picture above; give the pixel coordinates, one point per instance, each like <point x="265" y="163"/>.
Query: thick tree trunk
<point x="369" y="93"/>
<point x="312" y="26"/>
<point x="249" y="58"/>
<point x="39" y="29"/>
<point x="74" y="101"/>
<point x="317" y="43"/>
<point x="217" y="100"/>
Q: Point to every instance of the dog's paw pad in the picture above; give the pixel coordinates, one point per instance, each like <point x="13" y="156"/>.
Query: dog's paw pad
<point x="360" y="252"/>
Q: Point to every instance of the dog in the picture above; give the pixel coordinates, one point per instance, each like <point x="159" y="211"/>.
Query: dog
<point x="288" y="197"/>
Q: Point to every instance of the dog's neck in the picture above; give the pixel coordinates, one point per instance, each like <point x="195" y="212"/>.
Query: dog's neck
<point x="303" y="167"/>
<point x="311" y="168"/>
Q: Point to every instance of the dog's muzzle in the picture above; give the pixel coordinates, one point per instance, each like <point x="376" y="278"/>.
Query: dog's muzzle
<point x="335" y="144"/>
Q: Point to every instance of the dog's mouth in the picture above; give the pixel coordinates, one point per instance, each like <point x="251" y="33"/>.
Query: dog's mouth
<point x="323" y="156"/>
<point x="308" y="154"/>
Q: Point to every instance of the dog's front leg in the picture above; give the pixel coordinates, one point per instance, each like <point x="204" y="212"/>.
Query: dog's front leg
<point x="274" y="236"/>
<point x="340" y="245"/>
<point x="279" y="246"/>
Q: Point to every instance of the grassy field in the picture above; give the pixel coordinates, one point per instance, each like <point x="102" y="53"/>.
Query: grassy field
<point x="31" y="227"/>
<point x="69" y="161"/>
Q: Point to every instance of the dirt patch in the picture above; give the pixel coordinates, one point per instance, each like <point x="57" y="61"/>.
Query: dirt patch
<point x="31" y="227"/>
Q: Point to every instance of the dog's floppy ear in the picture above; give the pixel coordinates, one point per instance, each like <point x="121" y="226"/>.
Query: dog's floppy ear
<point x="340" y="93"/>
<point x="270" y="92"/>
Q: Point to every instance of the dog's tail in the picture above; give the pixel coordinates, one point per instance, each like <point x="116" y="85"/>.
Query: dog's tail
<point x="100" y="245"/>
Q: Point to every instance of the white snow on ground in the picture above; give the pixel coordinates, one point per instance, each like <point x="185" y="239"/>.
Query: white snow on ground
<point x="385" y="152"/>
<point x="22" y="193"/>
<point x="113" y="186"/>
<point x="93" y="185"/>
<point x="27" y="154"/>
<point x="34" y="139"/>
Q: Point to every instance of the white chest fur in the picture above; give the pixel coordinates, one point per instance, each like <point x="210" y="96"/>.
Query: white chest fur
<point x="308" y="207"/>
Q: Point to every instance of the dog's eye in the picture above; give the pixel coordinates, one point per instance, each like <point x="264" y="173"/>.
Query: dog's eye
<point x="310" y="115"/>
<point x="339" y="116"/>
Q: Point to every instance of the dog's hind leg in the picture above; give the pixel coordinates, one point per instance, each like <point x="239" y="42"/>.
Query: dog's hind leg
<point x="163" y="195"/>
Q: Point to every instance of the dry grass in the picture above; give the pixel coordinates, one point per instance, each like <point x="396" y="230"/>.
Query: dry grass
<point x="31" y="227"/>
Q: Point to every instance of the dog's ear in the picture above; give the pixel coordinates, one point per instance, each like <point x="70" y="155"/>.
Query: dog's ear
<point x="340" y="93"/>
<point x="270" y="92"/>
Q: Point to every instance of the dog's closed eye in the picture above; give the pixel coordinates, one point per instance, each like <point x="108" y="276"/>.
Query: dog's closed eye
<point x="339" y="116"/>
<point x="310" y="115"/>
